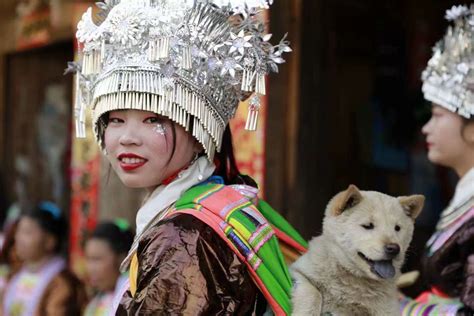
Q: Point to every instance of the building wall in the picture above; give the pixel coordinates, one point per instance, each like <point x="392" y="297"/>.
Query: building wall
<point x="7" y="44"/>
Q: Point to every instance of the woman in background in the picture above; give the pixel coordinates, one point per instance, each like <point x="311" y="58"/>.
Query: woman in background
<point x="106" y="248"/>
<point x="448" y="262"/>
<point x="44" y="285"/>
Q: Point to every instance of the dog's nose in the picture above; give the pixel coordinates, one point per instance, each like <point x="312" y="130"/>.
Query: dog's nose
<point x="392" y="249"/>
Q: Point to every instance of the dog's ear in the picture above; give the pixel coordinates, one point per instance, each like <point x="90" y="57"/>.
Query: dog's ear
<point x="412" y="205"/>
<point x="346" y="199"/>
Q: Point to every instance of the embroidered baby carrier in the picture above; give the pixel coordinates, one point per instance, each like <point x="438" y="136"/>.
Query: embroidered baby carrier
<point x="254" y="231"/>
<point x="434" y="301"/>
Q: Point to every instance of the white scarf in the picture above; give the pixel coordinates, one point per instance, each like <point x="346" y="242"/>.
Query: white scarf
<point x="460" y="202"/>
<point x="164" y="196"/>
<point x="464" y="189"/>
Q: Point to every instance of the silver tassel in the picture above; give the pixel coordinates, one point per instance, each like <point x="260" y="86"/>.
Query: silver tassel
<point x="79" y="112"/>
<point x="260" y="84"/>
<point x="247" y="78"/>
<point x="91" y="62"/>
<point x="164" y="47"/>
<point x="151" y="51"/>
<point x="186" y="62"/>
<point x="244" y="80"/>
<point x="253" y="111"/>
<point x="159" y="49"/>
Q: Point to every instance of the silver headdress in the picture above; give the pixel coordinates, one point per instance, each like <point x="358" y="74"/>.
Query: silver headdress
<point x="448" y="80"/>
<point x="189" y="60"/>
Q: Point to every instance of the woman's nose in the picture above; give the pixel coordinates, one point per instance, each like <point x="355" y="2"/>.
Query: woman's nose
<point x="426" y="127"/>
<point x="130" y="136"/>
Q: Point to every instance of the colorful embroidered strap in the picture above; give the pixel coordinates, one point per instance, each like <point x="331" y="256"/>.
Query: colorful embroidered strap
<point x="441" y="236"/>
<point x="430" y="304"/>
<point x="249" y="234"/>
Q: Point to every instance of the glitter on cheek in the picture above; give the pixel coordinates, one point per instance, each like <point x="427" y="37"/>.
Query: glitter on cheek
<point x="160" y="129"/>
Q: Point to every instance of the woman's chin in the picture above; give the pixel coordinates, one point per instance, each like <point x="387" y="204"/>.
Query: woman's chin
<point x="433" y="157"/>
<point x="438" y="159"/>
<point x="135" y="181"/>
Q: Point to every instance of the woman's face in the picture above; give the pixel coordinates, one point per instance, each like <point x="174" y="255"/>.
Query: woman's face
<point x="443" y="137"/>
<point x="102" y="265"/>
<point x="32" y="243"/>
<point x="139" y="145"/>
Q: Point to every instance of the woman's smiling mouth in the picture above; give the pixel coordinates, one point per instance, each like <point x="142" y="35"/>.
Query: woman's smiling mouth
<point x="129" y="161"/>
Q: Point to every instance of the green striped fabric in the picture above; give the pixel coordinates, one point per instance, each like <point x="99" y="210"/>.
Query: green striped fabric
<point x="248" y="232"/>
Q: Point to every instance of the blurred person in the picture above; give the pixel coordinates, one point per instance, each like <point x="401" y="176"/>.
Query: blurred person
<point x="105" y="249"/>
<point x="448" y="261"/>
<point x="9" y="262"/>
<point x="3" y="200"/>
<point x="161" y="100"/>
<point x="43" y="285"/>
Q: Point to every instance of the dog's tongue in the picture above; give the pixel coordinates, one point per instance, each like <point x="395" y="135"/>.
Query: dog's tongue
<point x="384" y="269"/>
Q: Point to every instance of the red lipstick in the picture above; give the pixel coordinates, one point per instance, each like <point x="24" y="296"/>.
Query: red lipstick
<point x="129" y="161"/>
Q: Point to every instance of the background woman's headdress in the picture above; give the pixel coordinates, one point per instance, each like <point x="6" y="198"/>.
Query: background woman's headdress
<point x="448" y="80"/>
<point x="189" y="60"/>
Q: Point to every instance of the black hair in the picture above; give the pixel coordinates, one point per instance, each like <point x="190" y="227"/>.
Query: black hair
<point x="118" y="237"/>
<point x="49" y="218"/>
<point x="226" y="165"/>
<point x="173" y="150"/>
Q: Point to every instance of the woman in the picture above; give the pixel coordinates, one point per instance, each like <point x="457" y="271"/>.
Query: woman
<point x="163" y="79"/>
<point x="448" y="263"/>
<point x="43" y="286"/>
<point x="105" y="250"/>
<point x="9" y="262"/>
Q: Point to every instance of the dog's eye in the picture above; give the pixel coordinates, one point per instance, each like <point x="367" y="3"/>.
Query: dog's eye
<point x="397" y="228"/>
<point x="368" y="226"/>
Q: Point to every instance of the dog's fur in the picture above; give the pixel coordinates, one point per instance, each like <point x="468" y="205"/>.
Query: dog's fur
<point x="334" y="278"/>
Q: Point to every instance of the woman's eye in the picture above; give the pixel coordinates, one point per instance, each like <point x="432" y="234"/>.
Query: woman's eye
<point x="115" y="120"/>
<point x="152" y="120"/>
<point x="368" y="226"/>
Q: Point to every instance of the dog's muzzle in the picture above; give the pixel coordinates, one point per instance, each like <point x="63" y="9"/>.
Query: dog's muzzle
<point x="384" y="269"/>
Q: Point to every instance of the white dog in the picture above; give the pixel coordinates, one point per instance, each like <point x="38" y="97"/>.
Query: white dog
<point x="352" y="267"/>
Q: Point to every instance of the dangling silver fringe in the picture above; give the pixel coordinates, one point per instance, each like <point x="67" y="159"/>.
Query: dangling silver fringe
<point x="178" y="103"/>
<point x="187" y="60"/>
<point x="91" y="62"/>
<point x="260" y="84"/>
<point x="247" y="79"/>
<point x="253" y="111"/>
<point x="252" y="120"/>
<point x="79" y="111"/>
<point x="159" y="49"/>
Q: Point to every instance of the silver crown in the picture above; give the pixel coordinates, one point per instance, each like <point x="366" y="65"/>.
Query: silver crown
<point x="189" y="60"/>
<point x="448" y="80"/>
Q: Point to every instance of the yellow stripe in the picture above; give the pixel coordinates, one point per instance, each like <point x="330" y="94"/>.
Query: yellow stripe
<point x="133" y="274"/>
<point x="207" y="193"/>
<point x="240" y="231"/>
<point x="237" y="207"/>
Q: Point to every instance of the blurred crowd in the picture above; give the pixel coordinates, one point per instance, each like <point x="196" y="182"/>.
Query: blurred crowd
<point x="35" y="278"/>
